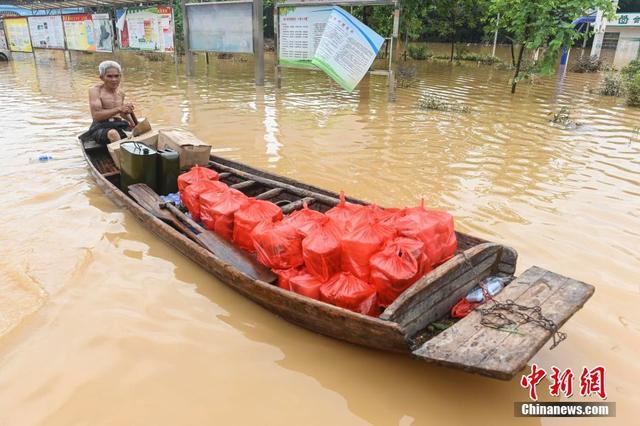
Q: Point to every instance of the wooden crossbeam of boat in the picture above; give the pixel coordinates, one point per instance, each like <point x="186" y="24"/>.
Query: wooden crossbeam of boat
<point x="297" y="205"/>
<point x="331" y="201"/>
<point x="242" y="185"/>
<point x="269" y="194"/>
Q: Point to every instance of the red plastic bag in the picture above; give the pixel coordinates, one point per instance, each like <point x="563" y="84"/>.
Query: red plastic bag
<point x="220" y="215"/>
<point x="306" y="284"/>
<point x="321" y="249"/>
<point x="194" y="175"/>
<point x="365" y="215"/>
<point x="434" y="228"/>
<point x="191" y="195"/>
<point x="304" y="219"/>
<point x="278" y="245"/>
<point x="208" y="200"/>
<point x="360" y="244"/>
<point x="343" y="212"/>
<point x="390" y="215"/>
<point x="247" y="217"/>
<point x="285" y="275"/>
<point x="398" y="265"/>
<point x="349" y="292"/>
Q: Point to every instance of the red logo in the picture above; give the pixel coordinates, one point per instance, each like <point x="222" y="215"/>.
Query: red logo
<point x="591" y="381"/>
<point x="561" y="382"/>
<point x="532" y="380"/>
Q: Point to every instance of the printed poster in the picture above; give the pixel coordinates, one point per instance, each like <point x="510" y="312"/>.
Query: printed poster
<point x="148" y="28"/>
<point x="299" y="32"/>
<point x="347" y="49"/>
<point x="103" y="31"/>
<point x="79" y="32"/>
<point x="3" y="40"/>
<point x="17" y="33"/>
<point x="46" y="32"/>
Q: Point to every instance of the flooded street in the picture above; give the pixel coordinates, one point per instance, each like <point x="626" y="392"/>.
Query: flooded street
<point x="103" y="323"/>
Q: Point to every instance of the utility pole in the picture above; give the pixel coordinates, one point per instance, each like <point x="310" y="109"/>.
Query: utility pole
<point x="258" y="40"/>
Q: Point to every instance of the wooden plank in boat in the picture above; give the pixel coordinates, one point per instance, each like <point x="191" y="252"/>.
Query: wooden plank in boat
<point x="500" y="354"/>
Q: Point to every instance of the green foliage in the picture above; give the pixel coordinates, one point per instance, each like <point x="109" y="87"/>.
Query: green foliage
<point x="633" y="91"/>
<point x="626" y="82"/>
<point x="588" y="64"/>
<point x="612" y="85"/>
<point x="562" y="117"/>
<point x="177" y="16"/>
<point x="406" y="75"/>
<point x="631" y="70"/>
<point x="543" y="24"/>
<point x="418" y="52"/>
<point x="473" y="57"/>
<point x="439" y="104"/>
<point x="447" y="17"/>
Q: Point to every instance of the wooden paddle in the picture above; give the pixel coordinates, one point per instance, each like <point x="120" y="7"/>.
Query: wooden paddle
<point x="151" y="201"/>
<point x="222" y="249"/>
<point x="140" y="127"/>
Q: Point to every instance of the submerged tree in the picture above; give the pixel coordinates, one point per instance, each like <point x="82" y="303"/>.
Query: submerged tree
<point x="543" y="23"/>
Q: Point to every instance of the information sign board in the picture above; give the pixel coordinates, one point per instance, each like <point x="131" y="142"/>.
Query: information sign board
<point x="221" y="27"/>
<point x="46" y="32"/>
<point x="17" y="33"/>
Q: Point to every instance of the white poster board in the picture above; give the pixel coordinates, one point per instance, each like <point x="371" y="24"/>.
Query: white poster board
<point x="221" y="27"/>
<point x="103" y="30"/>
<point x="46" y="32"/>
<point x="146" y="28"/>
<point x="299" y="33"/>
<point x="347" y="49"/>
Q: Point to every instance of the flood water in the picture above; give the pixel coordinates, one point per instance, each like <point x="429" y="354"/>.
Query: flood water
<point x="103" y="323"/>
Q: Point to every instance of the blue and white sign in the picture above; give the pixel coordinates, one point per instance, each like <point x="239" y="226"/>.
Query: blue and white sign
<point x="347" y="48"/>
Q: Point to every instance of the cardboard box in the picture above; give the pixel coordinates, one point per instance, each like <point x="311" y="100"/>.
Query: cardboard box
<point x="192" y="150"/>
<point x="149" y="139"/>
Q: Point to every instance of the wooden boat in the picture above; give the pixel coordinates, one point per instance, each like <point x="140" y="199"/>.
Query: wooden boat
<point x="406" y="325"/>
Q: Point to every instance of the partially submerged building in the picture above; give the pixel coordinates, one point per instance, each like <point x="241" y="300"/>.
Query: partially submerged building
<point x="621" y="35"/>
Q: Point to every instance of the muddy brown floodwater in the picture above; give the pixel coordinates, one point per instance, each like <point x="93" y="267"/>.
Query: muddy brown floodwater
<point x="103" y="323"/>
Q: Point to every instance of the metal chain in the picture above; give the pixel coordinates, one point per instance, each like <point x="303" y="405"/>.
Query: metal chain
<point x="497" y="316"/>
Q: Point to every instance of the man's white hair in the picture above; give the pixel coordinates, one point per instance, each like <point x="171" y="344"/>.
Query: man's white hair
<point x="105" y="65"/>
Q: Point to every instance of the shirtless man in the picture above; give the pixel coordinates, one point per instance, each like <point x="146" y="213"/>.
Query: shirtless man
<point x="111" y="115"/>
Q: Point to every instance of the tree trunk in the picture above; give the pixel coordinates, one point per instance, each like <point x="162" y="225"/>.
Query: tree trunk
<point x="453" y="43"/>
<point x="515" y="76"/>
<point x="513" y="55"/>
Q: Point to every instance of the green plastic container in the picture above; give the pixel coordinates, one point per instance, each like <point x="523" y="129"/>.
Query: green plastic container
<point x="168" y="171"/>
<point x="138" y="164"/>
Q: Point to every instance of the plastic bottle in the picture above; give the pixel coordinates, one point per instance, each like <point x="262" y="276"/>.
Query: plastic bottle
<point x="42" y="158"/>
<point x="492" y="285"/>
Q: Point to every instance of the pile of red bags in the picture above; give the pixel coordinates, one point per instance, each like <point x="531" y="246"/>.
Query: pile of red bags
<point x="353" y="256"/>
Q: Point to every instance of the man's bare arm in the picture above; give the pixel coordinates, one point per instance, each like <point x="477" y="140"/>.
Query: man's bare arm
<point x="127" y="115"/>
<point x="98" y="113"/>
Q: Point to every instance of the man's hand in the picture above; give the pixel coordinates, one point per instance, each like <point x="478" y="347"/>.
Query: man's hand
<point x="126" y="108"/>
